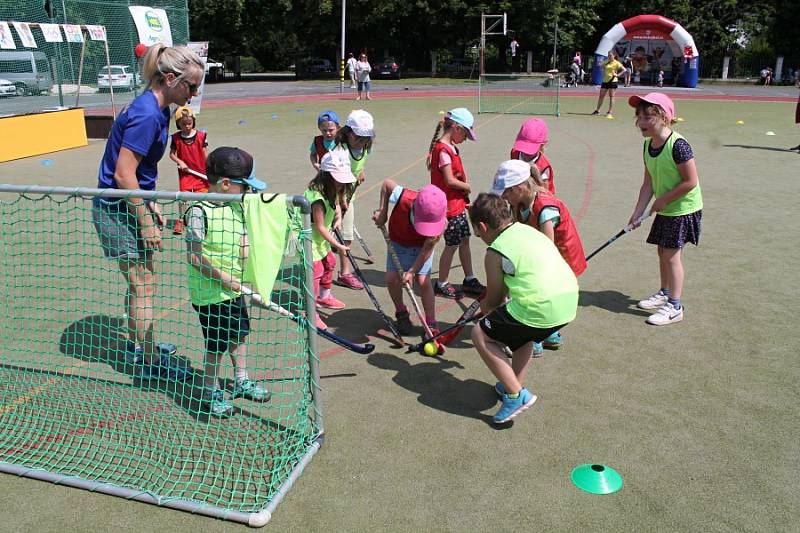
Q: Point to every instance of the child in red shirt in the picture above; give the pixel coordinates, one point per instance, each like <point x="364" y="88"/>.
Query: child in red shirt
<point x="415" y="226"/>
<point x="188" y="150"/>
<point x="529" y="147"/>
<point x="447" y="173"/>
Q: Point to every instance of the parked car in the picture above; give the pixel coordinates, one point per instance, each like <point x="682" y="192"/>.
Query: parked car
<point x="460" y="67"/>
<point x="28" y="71"/>
<point x="388" y="68"/>
<point x="9" y="89"/>
<point x="215" y="70"/>
<point x="121" y="77"/>
<point x="317" y="66"/>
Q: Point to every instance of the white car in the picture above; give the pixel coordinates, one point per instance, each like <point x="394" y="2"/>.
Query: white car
<point x="121" y="78"/>
<point x="9" y="89"/>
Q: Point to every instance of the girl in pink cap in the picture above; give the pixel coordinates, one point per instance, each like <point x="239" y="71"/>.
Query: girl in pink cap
<point x="416" y="224"/>
<point x="529" y="147"/>
<point x="670" y="175"/>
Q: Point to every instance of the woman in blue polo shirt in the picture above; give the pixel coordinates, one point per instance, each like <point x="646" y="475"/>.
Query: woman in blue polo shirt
<point x="129" y="229"/>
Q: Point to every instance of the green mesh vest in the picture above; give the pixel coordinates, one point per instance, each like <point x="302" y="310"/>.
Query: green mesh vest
<point x="543" y="288"/>
<point x="319" y="246"/>
<point x="665" y="177"/>
<point x="222" y="247"/>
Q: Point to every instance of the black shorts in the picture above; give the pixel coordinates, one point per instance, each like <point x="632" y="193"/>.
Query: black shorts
<point x="608" y="85"/>
<point x="457" y="230"/>
<point x="500" y="326"/>
<point x="223" y="323"/>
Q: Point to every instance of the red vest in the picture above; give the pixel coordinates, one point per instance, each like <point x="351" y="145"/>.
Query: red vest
<point x="192" y="155"/>
<point x="401" y="230"/>
<point x="543" y="164"/>
<point x="455" y="199"/>
<point x="319" y="146"/>
<point x="566" y="235"/>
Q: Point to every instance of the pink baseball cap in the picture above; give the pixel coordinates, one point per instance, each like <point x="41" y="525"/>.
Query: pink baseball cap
<point x="660" y="99"/>
<point x="337" y="162"/>
<point x="430" y="207"/>
<point x="532" y="135"/>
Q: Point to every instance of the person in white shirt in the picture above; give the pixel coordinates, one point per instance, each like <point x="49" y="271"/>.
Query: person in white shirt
<point x="351" y="69"/>
<point x="362" y="75"/>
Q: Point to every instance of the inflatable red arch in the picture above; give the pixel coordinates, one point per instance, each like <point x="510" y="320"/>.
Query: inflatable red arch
<point x="635" y="36"/>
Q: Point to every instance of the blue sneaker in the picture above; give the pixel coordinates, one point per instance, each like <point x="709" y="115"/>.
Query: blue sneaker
<point x="513" y="407"/>
<point x="538" y="350"/>
<point x="499" y="389"/>
<point x="251" y="390"/>
<point x="134" y="356"/>
<point x="553" y="342"/>
<point x="217" y="404"/>
<point x="165" y="369"/>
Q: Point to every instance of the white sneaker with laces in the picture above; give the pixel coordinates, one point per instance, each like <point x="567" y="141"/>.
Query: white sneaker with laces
<point x="654" y="301"/>
<point x="666" y="314"/>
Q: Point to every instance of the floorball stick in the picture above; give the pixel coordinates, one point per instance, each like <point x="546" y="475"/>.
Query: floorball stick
<point x="363" y="243"/>
<point x="362" y="349"/>
<point x="373" y="299"/>
<point x="621" y="232"/>
<point x="408" y="289"/>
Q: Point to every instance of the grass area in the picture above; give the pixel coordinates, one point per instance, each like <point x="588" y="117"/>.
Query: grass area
<point x="699" y="418"/>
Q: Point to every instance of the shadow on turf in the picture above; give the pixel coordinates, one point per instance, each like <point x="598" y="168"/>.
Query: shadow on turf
<point x="101" y="339"/>
<point x="752" y="147"/>
<point x="436" y="388"/>
<point x="613" y="301"/>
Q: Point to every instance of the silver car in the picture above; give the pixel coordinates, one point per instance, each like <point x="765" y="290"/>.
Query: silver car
<point x="9" y="89"/>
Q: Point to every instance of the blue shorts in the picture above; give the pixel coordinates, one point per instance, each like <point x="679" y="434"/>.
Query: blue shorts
<point x="407" y="256"/>
<point x="118" y="229"/>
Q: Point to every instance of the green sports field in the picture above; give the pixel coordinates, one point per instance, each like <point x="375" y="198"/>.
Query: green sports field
<point x="699" y="418"/>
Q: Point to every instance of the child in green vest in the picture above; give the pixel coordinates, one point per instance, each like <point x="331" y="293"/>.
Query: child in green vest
<point x="523" y="264"/>
<point x="670" y="175"/>
<point x="326" y="194"/>
<point x="216" y="243"/>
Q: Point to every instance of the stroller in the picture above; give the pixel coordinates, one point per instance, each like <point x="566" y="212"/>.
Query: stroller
<point x="574" y="76"/>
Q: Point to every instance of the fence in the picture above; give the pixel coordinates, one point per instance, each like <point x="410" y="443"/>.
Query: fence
<point x="62" y="60"/>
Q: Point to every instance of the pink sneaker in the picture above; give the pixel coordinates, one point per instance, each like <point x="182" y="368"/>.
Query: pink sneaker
<point x="319" y="323"/>
<point x="331" y="302"/>
<point x="350" y="281"/>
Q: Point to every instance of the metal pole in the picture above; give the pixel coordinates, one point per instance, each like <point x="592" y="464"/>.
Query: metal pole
<point x="80" y="66"/>
<point x="341" y="70"/>
<point x="555" y="42"/>
<point x="69" y="52"/>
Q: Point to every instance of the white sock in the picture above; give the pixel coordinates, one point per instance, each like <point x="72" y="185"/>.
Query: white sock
<point x="241" y="375"/>
<point x="324" y="293"/>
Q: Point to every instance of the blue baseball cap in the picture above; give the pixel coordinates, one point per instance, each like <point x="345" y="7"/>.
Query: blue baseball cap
<point x="462" y="117"/>
<point x="328" y="116"/>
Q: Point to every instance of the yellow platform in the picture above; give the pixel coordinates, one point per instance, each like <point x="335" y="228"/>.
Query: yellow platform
<point x="41" y="133"/>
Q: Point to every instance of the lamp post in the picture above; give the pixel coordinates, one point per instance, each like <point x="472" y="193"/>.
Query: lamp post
<point x="341" y="63"/>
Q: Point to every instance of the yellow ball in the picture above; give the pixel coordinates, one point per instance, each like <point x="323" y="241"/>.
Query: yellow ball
<point x="430" y="349"/>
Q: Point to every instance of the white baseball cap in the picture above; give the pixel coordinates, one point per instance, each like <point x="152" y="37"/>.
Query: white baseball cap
<point x="361" y="123"/>
<point x="510" y="173"/>
<point x="337" y="162"/>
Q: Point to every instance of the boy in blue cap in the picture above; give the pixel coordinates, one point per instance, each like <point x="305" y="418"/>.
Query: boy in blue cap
<point x="216" y="243"/>
<point x="328" y="124"/>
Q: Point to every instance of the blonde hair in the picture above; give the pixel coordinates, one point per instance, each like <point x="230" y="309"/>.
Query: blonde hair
<point x="536" y="182"/>
<point x="161" y="60"/>
<point x="444" y="125"/>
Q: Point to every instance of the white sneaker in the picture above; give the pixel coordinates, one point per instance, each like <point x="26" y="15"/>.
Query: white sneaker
<point x="654" y="301"/>
<point x="666" y="314"/>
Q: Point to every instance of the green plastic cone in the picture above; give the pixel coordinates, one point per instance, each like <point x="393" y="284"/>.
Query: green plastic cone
<point x="596" y="479"/>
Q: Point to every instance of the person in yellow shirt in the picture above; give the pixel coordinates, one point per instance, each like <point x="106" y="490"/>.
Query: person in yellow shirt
<point x="612" y="70"/>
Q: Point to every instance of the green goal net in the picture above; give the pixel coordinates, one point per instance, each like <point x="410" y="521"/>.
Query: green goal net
<point x="528" y="94"/>
<point x="81" y="405"/>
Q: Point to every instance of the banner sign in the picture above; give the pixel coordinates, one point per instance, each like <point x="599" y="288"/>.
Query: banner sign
<point x="200" y="48"/>
<point x="152" y="25"/>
